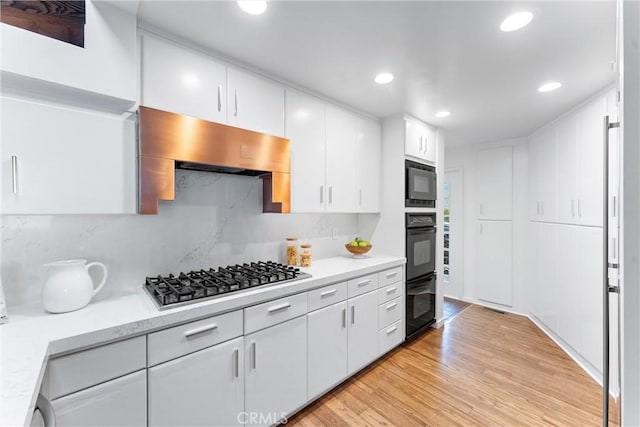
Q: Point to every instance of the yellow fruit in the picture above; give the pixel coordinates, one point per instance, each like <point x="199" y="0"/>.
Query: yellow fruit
<point x="363" y="244"/>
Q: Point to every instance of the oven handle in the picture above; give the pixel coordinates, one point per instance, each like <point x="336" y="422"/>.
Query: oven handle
<point x="420" y="230"/>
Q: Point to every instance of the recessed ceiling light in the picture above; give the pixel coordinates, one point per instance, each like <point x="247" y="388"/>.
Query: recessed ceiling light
<point x="253" y="7"/>
<point x="443" y="113"/>
<point x="516" y="21"/>
<point x="548" y="87"/>
<point x="384" y="78"/>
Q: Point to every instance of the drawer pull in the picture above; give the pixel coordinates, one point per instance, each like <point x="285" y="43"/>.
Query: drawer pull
<point x="344" y="318"/>
<point x="392" y="274"/>
<point x="253" y="345"/>
<point x="392" y="305"/>
<point x="328" y="293"/>
<point x="391" y="330"/>
<point x="391" y="290"/>
<point x="364" y="282"/>
<point x="353" y="314"/>
<point x="279" y="308"/>
<point x="236" y="363"/>
<point x="201" y="330"/>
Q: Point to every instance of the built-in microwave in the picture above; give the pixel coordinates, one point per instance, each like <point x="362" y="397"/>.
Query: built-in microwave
<point x="420" y="185"/>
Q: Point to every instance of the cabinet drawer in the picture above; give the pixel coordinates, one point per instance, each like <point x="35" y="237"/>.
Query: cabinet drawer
<point x="362" y="285"/>
<point x="390" y="292"/>
<point x="389" y="312"/>
<point x="323" y="297"/>
<point x="87" y="368"/>
<point x="390" y="276"/>
<point x="180" y="340"/>
<point x="390" y="337"/>
<point x="274" y="312"/>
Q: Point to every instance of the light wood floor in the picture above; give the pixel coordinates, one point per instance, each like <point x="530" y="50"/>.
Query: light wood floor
<point x="482" y="368"/>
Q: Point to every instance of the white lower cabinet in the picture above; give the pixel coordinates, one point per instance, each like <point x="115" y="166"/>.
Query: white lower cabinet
<point x="363" y="330"/>
<point x="205" y="388"/>
<point x="326" y="347"/>
<point x="544" y="272"/>
<point x="495" y="262"/>
<point x="119" y="402"/>
<point x="275" y="372"/>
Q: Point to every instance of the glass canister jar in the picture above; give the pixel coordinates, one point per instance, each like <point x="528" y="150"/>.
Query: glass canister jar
<point x="292" y="251"/>
<point x="305" y="255"/>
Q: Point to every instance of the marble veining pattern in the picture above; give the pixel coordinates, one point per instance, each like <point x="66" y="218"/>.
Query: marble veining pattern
<point x="215" y="220"/>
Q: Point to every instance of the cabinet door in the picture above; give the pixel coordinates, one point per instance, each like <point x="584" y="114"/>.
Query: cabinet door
<point x="495" y="262"/>
<point x="368" y="165"/>
<point x="430" y="145"/>
<point x="494" y="184"/>
<point x="327" y="347"/>
<point x="207" y="386"/>
<point x="535" y="176"/>
<point x="255" y="103"/>
<point x="363" y="330"/>
<point x="306" y="129"/>
<point x="590" y="158"/>
<point x="567" y="149"/>
<point x="120" y="402"/>
<point x="276" y="370"/>
<point x="569" y="286"/>
<point x="341" y="163"/>
<point x="544" y="274"/>
<point x="543" y="176"/>
<point x="181" y="80"/>
<point x="413" y="138"/>
<point x="64" y="161"/>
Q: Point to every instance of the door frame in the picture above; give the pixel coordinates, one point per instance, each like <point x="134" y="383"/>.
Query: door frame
<point x="459" y="170"/>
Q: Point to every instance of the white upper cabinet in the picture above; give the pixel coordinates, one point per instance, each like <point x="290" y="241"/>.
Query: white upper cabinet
<point x="543" y="176"/>
<point x="306" y="130"/>
<point x="420" y="140"/>
<point x="368" y="165"/>
<point x="180" y="80"/>
<point x="57" y="160"/>
<point x="255" y="103"/>
<point x="495" y="173"/>
<point x="105" y="69"/>
<point x="567" y="149"/>
<point x="341" y="168"/>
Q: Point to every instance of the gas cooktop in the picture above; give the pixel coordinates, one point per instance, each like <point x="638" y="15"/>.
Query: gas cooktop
<point x="195" y="286"/>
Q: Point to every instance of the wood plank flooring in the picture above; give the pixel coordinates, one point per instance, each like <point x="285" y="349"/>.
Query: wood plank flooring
<point x="482" y="368"/>
<point x="452" y="307"/>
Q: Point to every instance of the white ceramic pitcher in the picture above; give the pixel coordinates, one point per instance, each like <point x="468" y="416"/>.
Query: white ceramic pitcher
<point x="69" y="286"/>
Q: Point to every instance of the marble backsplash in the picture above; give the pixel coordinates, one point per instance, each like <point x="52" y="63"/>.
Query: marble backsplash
<point x="215" y="220"/>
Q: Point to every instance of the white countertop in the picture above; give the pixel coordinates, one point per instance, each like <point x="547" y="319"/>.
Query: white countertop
<point x="32" y="335"/>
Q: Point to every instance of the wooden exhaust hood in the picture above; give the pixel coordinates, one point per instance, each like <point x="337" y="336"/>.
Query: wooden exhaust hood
<point x="169" y="141"/>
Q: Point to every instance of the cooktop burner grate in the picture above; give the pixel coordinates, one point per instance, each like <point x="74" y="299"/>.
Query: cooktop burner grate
<point x="172" y="290"/>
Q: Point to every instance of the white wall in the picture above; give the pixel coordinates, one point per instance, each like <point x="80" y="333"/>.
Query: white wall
<point x="215" y="220"/>
<point x="465" y="158"/>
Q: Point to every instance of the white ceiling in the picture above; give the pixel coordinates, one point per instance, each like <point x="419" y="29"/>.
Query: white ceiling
<point x="444" y="55"/>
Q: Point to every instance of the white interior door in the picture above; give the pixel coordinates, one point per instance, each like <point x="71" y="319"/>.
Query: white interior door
<point x="453" y="231"/>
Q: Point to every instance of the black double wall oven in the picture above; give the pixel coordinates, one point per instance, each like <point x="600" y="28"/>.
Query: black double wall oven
<point x="421" y="276"/>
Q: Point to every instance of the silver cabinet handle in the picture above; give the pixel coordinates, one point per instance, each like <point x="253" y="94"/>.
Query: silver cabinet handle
<point x="327" y="293"/>
<point x="392" y="274"/>
<point x="364" y="282"/>
<point x="14" y="173"/>
<point x="391" y="290"/>
<point x="579" y="208"/>
<point x="344" y="318"/>
<point x="614" y="247"/>
<point x="46" y="409"/>
<point x="281" y="307"/>
<point x="391" y="306"/>
<point x="219" y="98"/>
<point x="322" y="194"/>
<point x="201" y="330"/>
<point x="573" y="208"/>
<point x="391" y="330"/>
<point x="253" y="354"/>
<point x="421" y="149"/>
<point x="353" y="314"/>
<point x="331" y="194"/>
<point x="236" y="363"/>
<point x="235" y="95"/>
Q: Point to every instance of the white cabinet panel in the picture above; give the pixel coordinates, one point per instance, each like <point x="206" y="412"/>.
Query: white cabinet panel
<point x="363" y="330"/>
<point x="420" y="141"/>
<point x="325" y="296"/>
<point x="305" y="128"/>
<point x="545" y="286"/>
<point x="543" y="176"/>
<point x="495" y="262"/>
<point x="389" y="312"/>
<point x="568" y="312"/>
<point x="390" y="337"/>
<point x="590" y="158"/>
<point x="120" y="402"/>
<point x="205" y="388"/>
<point x="327" y="347"/>
<point x="276" y="369"/>
<point x="341" y="170"/>
<point x="367" y="164"/>
<point x="255" y="103"/>
<point x="495" y="181"/>
<point x="567" y="149"/>
<point x="180" y="80"/>
<point x="273" y="312"/>
<point x="66" y="161"/>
